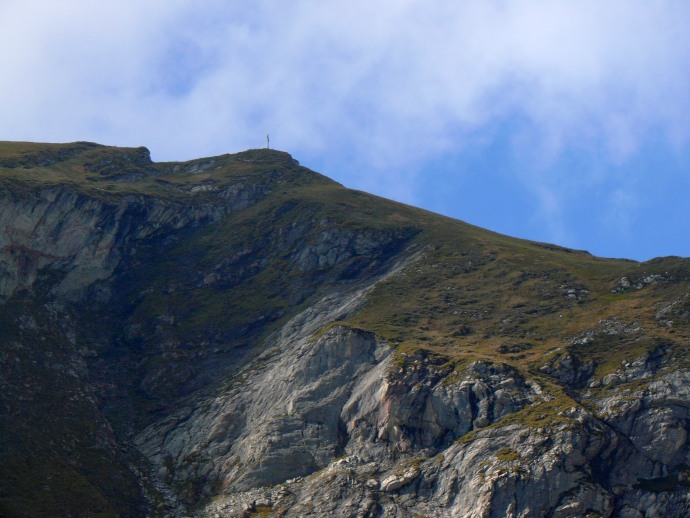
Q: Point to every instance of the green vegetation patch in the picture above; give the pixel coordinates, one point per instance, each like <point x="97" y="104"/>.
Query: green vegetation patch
<point x="507" y="455"/>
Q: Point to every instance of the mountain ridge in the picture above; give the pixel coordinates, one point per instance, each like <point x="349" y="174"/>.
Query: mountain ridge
<point x="240" y="326"/>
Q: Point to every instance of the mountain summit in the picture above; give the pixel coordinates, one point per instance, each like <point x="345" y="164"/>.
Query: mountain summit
<point x="239" y="335"/>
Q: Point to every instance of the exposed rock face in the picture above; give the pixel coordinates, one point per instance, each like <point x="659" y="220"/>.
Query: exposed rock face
<point x="628" y="464"/>
<point x="239" y="336"/>
<point x="398" y="427"/>
<point x="281" y="421"/>
<point x="85" y="239"/>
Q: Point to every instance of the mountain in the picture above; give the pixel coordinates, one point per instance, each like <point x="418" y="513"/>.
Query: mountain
<point x="241" y="336"/>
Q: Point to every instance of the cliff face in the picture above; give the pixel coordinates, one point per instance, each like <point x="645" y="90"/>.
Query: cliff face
<point x="240" y="335"/>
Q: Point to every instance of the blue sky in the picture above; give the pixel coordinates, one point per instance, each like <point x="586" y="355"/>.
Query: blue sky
<point x="565" y="121"/>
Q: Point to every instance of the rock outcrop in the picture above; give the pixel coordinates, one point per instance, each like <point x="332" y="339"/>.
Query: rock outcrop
<point x="628" y="461"/>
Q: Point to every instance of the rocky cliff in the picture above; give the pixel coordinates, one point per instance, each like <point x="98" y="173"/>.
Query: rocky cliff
<point x="239" y="336"/>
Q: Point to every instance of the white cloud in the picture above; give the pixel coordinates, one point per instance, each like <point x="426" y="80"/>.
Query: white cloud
<point x="402" y="68"/>
<point x="386" y="85"/>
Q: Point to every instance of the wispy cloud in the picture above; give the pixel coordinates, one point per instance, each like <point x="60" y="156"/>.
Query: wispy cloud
<point x="377" y="86"/>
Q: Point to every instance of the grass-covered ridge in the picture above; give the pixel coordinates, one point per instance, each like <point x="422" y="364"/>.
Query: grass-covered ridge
<point x="106" y="171"/>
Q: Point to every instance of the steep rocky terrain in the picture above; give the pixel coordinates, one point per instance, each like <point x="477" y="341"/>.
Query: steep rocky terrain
<point x="239" y="336"/>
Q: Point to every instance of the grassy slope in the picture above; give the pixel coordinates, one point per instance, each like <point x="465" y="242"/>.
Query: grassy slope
<point x="475" y="293"/>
